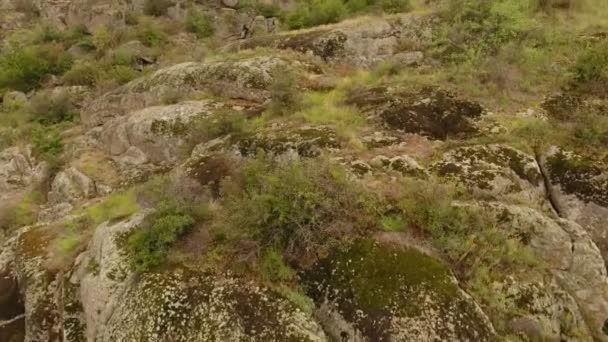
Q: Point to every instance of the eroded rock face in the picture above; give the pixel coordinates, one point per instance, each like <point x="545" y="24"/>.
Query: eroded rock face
<point x="570" y="255"/>
<point x="289" y="143"/>
<point x="579" y="189"/>
<point x="399" y="38"/>
<point x="494" y="170"/>
<point x="365" y="293"/>
<point x="434" y="113"/>
<point x="154" y="134"/>
<point x="18" y="170"/>
<point x="104" y="275"/>
<point x="70" y="185"/>
<point x="242" y="79"/>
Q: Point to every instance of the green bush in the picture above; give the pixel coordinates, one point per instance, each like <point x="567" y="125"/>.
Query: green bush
<point x="317" y="12"/>
<point x="395" y="6"/>
<point x="83" y="73"/>
<point x="122" y="74"/>
<point x="157" y="8"/>
<point x="199" y="23"/>
<point x="215" y="126"/>
<point x="116" y="206"/>
<point x="149" y="244"/>
<point x="24" y="68"/>
<point x="300" y="207"/>
<point x="472" y="26"/>
<point x="274" y="268"/>
<point x="285" y="97"/>
<point x="47" y="144"/>
<point x="150" y="34"/>
<point x="48" y="108"/>
<point x="592" y="65"/>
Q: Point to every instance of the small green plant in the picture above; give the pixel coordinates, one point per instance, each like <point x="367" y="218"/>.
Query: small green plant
<point x="317" y="12"/>
<point x="83" y="73"/>
<point x="395" y="6"/>
<point x="392" y="223"/>
<point x="218" y="125"/>
<point x="285" y="97"/>
<point x="116" y="206"/>
<point x="122" y="74"/>
<point x="199" y="23"/>
<point x="150" y="33"/>
<point x="47" y="144"/>
<point x="149" y="244"/>
<point x="274" y="268"/>
<point x="592" y="64"/>
<point x="22" y="213"/>
<point x="104" y="38"/>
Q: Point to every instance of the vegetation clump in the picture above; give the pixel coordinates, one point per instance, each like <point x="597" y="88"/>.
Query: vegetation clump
<point x="24" y="68"/>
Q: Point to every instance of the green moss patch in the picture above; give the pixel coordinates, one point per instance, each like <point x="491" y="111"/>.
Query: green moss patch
<point x="431" y="112"/>
<point x="374" y="286"/>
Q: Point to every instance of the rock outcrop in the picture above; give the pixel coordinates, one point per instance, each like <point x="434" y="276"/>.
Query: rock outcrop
<point x="364" y="42"/>
<point x="579" y="190"/>
<point x="247" y="78"/>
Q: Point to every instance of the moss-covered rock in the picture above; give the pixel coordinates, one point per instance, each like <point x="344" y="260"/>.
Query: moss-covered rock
<point x="494" y="170"/>
<point x="182" y="305"/>
<point x="430" y="112"/>
<point x="386" y="293"/>
<point x="579" y="189"/>
<point x="280" y="142"/>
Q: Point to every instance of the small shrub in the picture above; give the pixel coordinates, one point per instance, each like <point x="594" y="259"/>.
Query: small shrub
<point x="274" y="268"/>
<point x="103" y="38"/>
<point x="317" y="12"/>
<point x="83" y="73"/>
<point x="221" y="124"/>
<point x="48" y="108"/>
<point x="395" y="6"/>
<point x="149" y="244"/>
<point x="123" y="56"/>
<point x="393" y="223"/>
<point x="24" y="68"/>
<point x="150" y="34"/>
<point x="157" y="8"/>
<point x="199" y="23"/>
<point x="47" y="144"/>
<point x="285" y="96"/>
<point x="592" y="65"/>
<point x="47" y="33"/>
<point x="23" y="212"/>
<point x="299" y="208"/>
<point x="116" y="206"/>
<point x="122" y="74"/>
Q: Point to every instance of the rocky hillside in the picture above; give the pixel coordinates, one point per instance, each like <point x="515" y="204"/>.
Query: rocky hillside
<point x="303" y="170"/>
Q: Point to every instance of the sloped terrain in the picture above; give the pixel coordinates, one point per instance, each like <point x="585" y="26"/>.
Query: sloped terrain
<point x="340" y="170"/>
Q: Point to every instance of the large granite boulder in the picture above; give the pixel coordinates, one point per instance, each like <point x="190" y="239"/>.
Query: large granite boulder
<point x="579" y="191"/>
<point x="363" y="42"/>
<point x="248" y="78"/>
